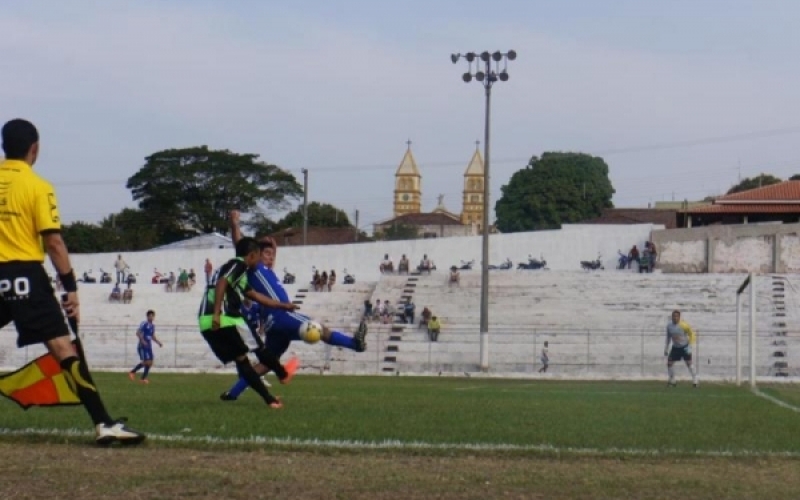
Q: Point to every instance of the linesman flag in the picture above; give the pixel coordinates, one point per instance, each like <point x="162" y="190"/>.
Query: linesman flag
<point x="39" y="383"/>
<point x="42" y="382"/>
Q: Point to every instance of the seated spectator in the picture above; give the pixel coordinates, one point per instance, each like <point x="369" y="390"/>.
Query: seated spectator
<point x="367" y="310"/>
<point x="633" y="255"/>
<point x="455" y="277"/>
<point x="386" y="266"/>
<point x="402" y="267"/>
<point x="378" y="311"/>
<point x="434" y="327"/>
<point x="129" y="279"/>
<point x="317" y="281"/>
<point x="116" y="294"/>
<point x="425" y="265"/>
<point x="408" y="312"/>
<point x="644" y="261"/>
<point x="170" y="285"/>
<point x="425" y="317"/>
<point x="388" y="312"/>
<point x="323" y="281"/>
<point x="192" y="278"/>
<point x="183" y="281"/>
<point x="331" y="280"/>
<point x="127" y="295"/>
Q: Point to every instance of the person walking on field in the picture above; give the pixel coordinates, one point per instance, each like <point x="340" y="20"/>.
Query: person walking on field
<point x="30" y="226"/>
<point x="681" y="335"/>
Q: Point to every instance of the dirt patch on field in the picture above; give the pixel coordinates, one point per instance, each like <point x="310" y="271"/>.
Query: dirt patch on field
<point x="35" y="471"/>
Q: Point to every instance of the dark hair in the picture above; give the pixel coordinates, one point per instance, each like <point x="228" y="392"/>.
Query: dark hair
<point x="18" y="137"/>
<point x="676" y="312"/>
<point x="151" y="312"/>
<point x="264" y="243"/>
<point x="245" y="246"/>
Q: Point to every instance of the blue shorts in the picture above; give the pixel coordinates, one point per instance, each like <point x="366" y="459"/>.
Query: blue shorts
<point x="145" y="353"/>
<point x="282" y="328"/>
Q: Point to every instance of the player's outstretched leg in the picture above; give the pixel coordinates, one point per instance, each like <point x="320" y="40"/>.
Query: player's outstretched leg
<point x="253" y="379"/>
<point x="358" y="342"/>
<point x="267" y="362"/>
<point x="132" y="373"/>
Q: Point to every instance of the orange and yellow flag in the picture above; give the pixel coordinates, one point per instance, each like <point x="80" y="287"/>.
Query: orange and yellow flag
<point x="39" y="383"/>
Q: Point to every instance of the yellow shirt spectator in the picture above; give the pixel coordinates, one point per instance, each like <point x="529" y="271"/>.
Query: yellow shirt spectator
<point x="28" y="208"/>
<point x="434" y="324"/>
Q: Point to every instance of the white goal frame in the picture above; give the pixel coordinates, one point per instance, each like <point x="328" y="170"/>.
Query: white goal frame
<point x="751" y="283"/>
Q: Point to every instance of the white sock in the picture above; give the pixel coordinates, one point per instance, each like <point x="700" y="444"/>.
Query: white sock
<point x="671" y="372"/>
<point x="691" y="370"/>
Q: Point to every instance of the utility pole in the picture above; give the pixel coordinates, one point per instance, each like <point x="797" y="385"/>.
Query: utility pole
<point x="305" y="206"/>
<point x="356" y="227"/>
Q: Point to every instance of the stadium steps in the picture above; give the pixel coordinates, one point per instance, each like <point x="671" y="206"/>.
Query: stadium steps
<point x="779" y="355"/>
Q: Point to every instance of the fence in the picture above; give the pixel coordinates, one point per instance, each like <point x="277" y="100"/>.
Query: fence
<point x="512" y="350"/>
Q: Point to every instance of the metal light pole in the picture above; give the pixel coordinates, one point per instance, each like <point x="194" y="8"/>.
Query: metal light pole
<point x="487" y="76"/>
<point x="305" y="205"/>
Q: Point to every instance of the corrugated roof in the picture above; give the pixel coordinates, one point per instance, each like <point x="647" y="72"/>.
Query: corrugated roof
<point x="746" y="208"/>
<point x="317" y="236"/>
<point x="665" y="217"/>
<point x="787" y="190"/>
<point x="427" y="219"/>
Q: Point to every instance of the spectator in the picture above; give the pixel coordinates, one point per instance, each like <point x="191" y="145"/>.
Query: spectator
<point x="386" y="266"/>
<point x="377" y="311"/>
<point x="434" y="327"/>
<point x="425" y="264"/>
<point x="317" y="281"/>
<point x="183" y="281"/>
<point x="402" y="267"/>
<point x="116" y="293"/>
<point x="425" y="317"/>
<point x="653" y="256"/>
<point x="455" y="277"/>
<point x="323" y="281"/>
<point x="208" y="268"/>
<point x="331" y="280"/>
<point x="192" y="278"/>
<point x="408" y="311"/>
<point x="120" y="265"/>
<point x="171" y="282"/>
<point x="387" y="312"/>
<point x="367" y="310"/>
<point x="633" y="255"/>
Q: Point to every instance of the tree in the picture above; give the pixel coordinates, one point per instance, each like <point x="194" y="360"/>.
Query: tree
<point x="83" y="237"/>
<point x="319" y="215"/>
<point x="398" y="232"/>
<point x="556" y="189"/>
<point x="195" y="188"/>
<point x="754" y="182"/>
<point x="795" y="177"/>
<point x="133" y="229"/>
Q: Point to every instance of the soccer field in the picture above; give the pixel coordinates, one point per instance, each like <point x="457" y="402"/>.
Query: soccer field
<point x="541" y="423"/>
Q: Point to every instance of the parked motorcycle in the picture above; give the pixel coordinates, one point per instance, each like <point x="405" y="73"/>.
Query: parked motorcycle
<point x="466" y="266"/>
<point x="87" y="277"/>
<point x="533" y="263"/>
<point x="288" y="278"/>
<point x="593" y="265"/>
<point x="504" y="266"/>
<point x="349" y="279"/>
<point x="104" y="276"/>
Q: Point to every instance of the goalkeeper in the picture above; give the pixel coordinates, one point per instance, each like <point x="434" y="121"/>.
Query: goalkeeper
<point x="681" y="335"/>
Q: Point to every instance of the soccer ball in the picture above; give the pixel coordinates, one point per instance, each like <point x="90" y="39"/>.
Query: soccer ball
<point x="311" y="332"/>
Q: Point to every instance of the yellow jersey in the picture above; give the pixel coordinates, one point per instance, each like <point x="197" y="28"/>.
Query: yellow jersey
<point x="28" y="209"/>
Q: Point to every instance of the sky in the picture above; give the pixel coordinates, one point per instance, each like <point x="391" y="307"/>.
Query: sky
<point x="680" y="97"/>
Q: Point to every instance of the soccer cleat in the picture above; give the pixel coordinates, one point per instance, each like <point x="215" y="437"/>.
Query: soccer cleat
<point x="117" y="432"/>
<point x="226" y="396"/>
<point x="275" y="404"/>
<point x="145" y="381"/>
<point x="360" y="337"/>
<point x="291" y="368"/>
<point x="672" y="383"/>
<point x="131" y="376"/>
<point x="695" y="384"/>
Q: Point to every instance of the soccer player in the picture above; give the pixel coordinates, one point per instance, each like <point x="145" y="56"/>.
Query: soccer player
<point x="147" y="335"/>
<point x="30" y="225"/>
<point x="681" y="335"/>
<point x="226" y="331"/>
<point x="283" y="327"/>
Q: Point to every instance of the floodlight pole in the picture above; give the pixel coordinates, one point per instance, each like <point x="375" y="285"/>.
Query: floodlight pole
<point x="487" y="77"/>
<point x="305" y="205"/>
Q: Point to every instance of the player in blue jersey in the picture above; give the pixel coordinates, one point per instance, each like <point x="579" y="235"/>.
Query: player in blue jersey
<point x="147" y="335"/>
<point x="283" y="327"/>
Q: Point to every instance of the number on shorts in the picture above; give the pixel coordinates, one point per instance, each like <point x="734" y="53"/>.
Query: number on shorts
<point x="20" y="286"/>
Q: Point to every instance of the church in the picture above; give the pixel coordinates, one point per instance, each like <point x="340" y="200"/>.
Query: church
<point x="440" y="223"/>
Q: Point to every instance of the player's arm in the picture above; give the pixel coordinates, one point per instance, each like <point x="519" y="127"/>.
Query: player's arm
<point x="268" y="302"/>
<point x="236" y="232"/>
<point x="219" y="295"/>
<point x="155" y="339"/>
<point x="140" y="335"/>
<point x="689" y="332"/>
<point x="48" y="224"/>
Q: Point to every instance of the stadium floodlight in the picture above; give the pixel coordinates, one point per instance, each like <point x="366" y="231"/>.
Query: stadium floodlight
<point x="487" y="76"/>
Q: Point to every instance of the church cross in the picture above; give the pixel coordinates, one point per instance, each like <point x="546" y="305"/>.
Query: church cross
<point x="408" y="143"/>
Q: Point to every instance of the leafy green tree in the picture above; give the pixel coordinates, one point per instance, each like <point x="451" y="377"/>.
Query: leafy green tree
<point x="83" y="237"/>
<point x="558" y="188"/>
<point x="754" y="182"/>
<point x="398" y="232"/>
<point x="195" y="188"/>
<point x="319" y="215"/>
<point x="795" y="177"/>
<point x="133" y="229"/>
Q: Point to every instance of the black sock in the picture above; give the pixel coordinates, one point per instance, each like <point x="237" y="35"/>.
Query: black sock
<point x="137" y="368"/>
<point x="80" y="381"/>
<point x="250" y="376"/>
<point x="271" y="361"/>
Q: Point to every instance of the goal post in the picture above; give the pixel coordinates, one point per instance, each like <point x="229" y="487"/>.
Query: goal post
<point x="748" y="283"/>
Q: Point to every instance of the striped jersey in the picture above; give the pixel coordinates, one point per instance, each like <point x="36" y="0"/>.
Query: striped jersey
<point x="235" y="272"/>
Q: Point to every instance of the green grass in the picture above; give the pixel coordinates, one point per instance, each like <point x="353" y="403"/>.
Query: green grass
<point x="596" y="415"/>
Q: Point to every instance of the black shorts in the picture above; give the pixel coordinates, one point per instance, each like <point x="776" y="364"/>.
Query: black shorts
<point x="227" y="343"/>
<point x="680" y="353"/>
<point x="27" y="298"/>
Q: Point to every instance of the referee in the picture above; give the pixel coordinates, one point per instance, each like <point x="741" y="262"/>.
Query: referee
<point x="29" y="220"/>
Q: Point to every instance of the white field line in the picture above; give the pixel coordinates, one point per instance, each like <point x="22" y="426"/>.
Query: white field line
<point x="542" y="389"/>
<point x="407" y="445"/>
<point x="772" y="399"/>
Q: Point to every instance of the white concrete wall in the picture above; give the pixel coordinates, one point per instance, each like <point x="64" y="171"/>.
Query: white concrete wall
<point x="562" y="249"/>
